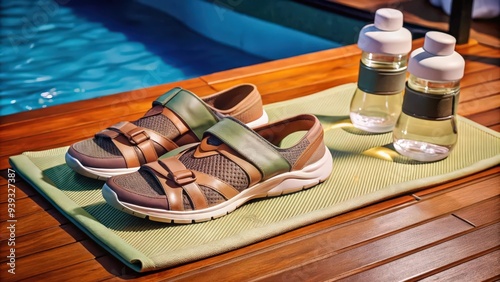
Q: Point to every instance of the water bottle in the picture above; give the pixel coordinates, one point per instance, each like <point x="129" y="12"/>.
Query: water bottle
<point x="427" y="128"/>
<point x="376" y="104"/>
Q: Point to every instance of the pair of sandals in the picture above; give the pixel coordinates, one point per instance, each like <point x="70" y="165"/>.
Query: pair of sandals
<point x="192" y="160"/>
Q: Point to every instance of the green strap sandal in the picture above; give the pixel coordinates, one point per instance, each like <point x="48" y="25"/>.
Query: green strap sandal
<point x="176" y="118"/>
<point x="232" y="165"/>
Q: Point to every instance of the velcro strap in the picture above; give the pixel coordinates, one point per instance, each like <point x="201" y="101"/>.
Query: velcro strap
<point x="251" y="146"/>
<point x="191" y="109"/>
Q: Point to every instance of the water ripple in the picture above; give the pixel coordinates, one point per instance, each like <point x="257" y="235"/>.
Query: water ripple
<point x="55" y="54"/>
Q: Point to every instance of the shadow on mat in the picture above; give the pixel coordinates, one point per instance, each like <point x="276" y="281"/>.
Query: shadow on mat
<point x="117" y="220"/>
<point x="64" y="178"/>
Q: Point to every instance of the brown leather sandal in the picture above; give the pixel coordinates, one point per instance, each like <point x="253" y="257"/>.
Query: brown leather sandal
<point x="176" y="118"/>
<point x="229" y="167"/>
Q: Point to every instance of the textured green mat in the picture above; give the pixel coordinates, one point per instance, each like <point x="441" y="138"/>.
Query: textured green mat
<point x="366" y="170"/>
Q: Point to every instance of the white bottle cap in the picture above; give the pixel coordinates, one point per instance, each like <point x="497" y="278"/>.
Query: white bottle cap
<point x="387" y="35"/>
<point x="437" y="60"/>
<point x="388" y="19"/>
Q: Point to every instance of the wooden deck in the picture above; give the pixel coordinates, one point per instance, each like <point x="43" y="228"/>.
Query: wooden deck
<point x="446" y="232"/>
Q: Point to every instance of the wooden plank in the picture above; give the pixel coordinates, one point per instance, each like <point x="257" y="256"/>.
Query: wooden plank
<point x="482" y="268"/>
<point x="333" y="239"/>
<point x="310" y="76"/>
<point x="373" y="253"/>
<point x="46" y="239"/>
<point x="473" y="179"/>
<point x="22" y="190"/>
<point x="40" y="241"/>
<point x="480" y="105"/>
<point x="481" y="213"/>
<point x="448" y="253"/>
<point x="305" y="89"/>
<point x="34" y="222"/>
<point x="278" y="65"/>
<point x="473" y="79"/>
<point x="355" y="259"/>
<point x="46" y="261"/>
<point x="346" y="66"/>
<point x="473" y="51"/>
<point x="89" y="270"/>
<point x="478" y="65"/>
<point x="25" y="207"/>
<point x="487" y="118"/>
<point x="480" y="91"/>
<point x="15" y="131"/>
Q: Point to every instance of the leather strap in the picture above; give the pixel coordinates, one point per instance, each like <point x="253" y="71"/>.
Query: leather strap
<point x="215" y="184"/>
<point x="175" y="179"/>
<point x="190" y="109"/>
<point x="128" y="153"/>
<point x="174" y="194"/>
<point x="133" y="136"/>
<point x="176" y="121"/>
<point x="251" y="146"/>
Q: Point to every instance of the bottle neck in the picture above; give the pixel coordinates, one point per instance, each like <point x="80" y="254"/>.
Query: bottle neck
<point x="433" y="86"/>
<point x="385" y="61"/>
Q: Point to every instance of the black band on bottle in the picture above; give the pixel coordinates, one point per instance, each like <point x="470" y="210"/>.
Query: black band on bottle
<point x="376" y="81"/>
<point x="428" y="106"/>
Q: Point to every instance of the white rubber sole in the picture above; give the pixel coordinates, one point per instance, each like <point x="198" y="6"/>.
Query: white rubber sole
<point x="281" y="184"/>
<point x="96" y="173"/>
<point x="105" y="173"/>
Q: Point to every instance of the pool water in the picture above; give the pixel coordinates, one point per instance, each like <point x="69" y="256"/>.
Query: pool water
<point x="58" y="51"/>
<point x="53" y="54"/>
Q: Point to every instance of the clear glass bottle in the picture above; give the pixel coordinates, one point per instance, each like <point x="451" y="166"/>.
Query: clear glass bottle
<point x="427" y="129"/>
<point x="376" y="104"/>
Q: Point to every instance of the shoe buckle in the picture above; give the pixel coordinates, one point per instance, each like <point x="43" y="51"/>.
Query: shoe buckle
<point x="137" y="136"/>
<point x="183" y="177"/>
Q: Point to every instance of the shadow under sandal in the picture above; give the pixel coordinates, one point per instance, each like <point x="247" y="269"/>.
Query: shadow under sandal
<point x="230" y="166"/>
<point x="176" y="118"/>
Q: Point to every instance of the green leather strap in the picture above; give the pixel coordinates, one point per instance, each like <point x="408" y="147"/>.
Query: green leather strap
<point x="191" y="109"/>
<point x="251" y="146"/>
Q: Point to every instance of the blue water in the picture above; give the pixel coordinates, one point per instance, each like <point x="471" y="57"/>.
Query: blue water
<point x="54" y="52"/>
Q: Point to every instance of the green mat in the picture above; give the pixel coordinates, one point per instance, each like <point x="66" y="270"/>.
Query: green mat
<point x="366" y="170"/>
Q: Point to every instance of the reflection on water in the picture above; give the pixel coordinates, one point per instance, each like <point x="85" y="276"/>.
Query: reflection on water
<point x="54" y="52"/>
